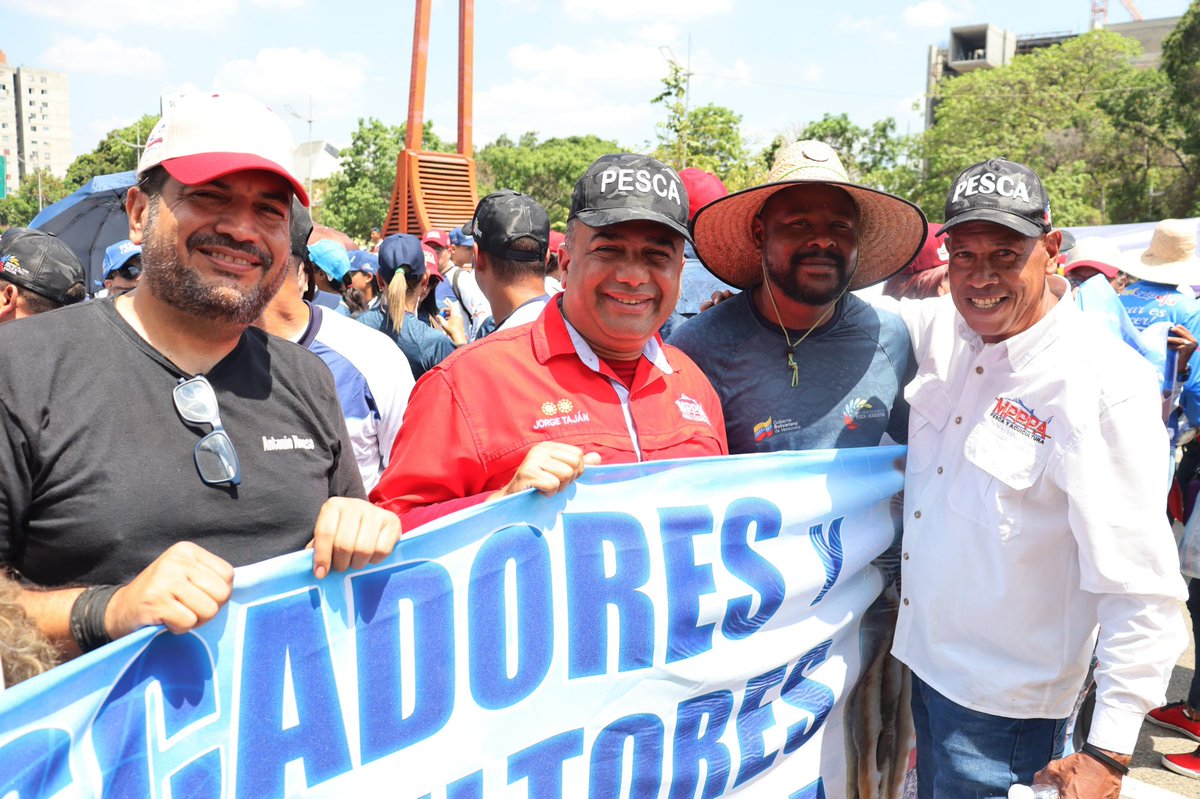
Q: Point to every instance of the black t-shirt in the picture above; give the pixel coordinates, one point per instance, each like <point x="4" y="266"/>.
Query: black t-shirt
<point x="97" y="476"/>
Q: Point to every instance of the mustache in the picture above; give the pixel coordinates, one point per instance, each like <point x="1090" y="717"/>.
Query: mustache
<point x="197" y="240"/>
<point x="800" y="258"/>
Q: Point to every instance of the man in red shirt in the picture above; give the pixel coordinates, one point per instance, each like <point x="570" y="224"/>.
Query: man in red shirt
<point x="588" y="382"/>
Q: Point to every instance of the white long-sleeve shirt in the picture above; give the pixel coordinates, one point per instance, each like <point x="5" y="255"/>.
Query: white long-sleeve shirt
<point x="1035" y="511"/>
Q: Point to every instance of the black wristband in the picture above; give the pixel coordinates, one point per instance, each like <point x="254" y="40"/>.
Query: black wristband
<point x="87" y="617"/>
<point x="1105" y="758"/>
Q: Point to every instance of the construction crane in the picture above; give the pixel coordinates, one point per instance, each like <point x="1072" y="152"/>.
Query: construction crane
<point x="1100" y="12"/>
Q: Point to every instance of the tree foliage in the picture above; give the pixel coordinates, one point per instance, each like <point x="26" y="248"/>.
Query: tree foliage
<point x="707" y="138"/>
<point x="20" y="207"/>
<point x="546" y="171"/>
<point x="117" y="152"/>
<point x="359" y="193"/>
<point x="874" y="156"/>
<point x="1080" y="114"/>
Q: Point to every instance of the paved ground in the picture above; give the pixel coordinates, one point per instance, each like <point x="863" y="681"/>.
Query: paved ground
<point x="1150" y="779"/>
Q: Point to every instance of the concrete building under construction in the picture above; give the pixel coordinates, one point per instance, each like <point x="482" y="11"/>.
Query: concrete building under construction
<point x="985" y="46"/>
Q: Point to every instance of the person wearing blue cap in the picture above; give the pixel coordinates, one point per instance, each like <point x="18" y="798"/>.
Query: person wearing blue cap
<point x="361" y="290"/>
<point x="333" y="263"/>
<point x="405" y="268"/>
<point x="459" y="286"/>
<point x="122" y="268"/>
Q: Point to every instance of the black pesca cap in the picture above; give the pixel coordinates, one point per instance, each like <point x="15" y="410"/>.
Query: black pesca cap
<point x="1000" y="191"/>
<point x="627" y="188"/>
<point x="39" y="262"/>
<point x="505" y="216"/>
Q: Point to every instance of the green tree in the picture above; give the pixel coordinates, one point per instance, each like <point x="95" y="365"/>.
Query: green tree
<point x="359" y="193"/>
<point x="20" y="207"/>
<point x="875" y="156"/>
<point x="707" y="138"/>
<point x="117" y="152"/>
<point x="1078" y="113"/>
<point x="546" y="171"/>
<point x="1181" y="66"/>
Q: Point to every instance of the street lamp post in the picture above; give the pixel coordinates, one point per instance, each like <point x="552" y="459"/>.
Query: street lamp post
<point x="38" y="171"/>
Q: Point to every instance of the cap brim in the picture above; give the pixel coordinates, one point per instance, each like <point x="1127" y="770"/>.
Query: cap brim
<point x="192" y="170"/>
<point x="603" y="217"/>
<point x="1108" y="270"/>
<point x="891" y="233"/>
<point x="1003" y="218"/>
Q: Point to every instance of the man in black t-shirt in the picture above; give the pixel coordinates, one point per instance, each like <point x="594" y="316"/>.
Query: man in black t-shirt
<point x="237" y="442"/>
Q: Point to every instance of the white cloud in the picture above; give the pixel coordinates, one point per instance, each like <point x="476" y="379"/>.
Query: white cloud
<point x="289" y="76"/>
<point x="111" y="15"/>
<point x="279" y="5"/>
<point x="553" y="110"/>
<point x="623" y="63"/>
<point x="631" y="10"/>
<point x="856" y="23"/>
<point x="658" y="33"/>
<point x="931" y="14"/>
<point x="101" y="55"/>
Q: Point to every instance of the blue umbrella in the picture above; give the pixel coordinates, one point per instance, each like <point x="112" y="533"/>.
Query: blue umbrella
<point x="90" y="220"/>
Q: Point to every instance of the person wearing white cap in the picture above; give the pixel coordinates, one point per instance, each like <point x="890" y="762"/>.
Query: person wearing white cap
<point x="1169" y="263"/>
<point x="239" y="453"/>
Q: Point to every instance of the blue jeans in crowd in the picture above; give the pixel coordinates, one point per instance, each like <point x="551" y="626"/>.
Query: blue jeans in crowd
<point x="965" y="754"/>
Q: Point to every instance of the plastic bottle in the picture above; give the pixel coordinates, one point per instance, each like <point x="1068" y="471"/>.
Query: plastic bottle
<point x="1033" y="792"/>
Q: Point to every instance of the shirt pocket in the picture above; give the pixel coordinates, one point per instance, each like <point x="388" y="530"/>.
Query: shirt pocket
<point x="1002" y="465"/>
<point x="929" y="408"/>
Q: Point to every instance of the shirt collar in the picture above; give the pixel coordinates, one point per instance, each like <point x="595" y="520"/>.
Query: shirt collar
<point x="553" y="336"/>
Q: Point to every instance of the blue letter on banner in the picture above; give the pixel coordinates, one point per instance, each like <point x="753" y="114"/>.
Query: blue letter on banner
<point x="542" y="763"/>
<point x="607" y="761"/>
<point x="377" y="597"/>
<point x="687" y="581"/>
<point x="692" y="745"/>
<point x="750" y="567"/>
<point x="590" y="592"/>
<point x="288" y="627"/>
<point x="36" y="764"/>
<point x="487" y="626"/>
<point x="810" y="695"/>
<point x="752" y="720"/>
<point x="182" y="666"/>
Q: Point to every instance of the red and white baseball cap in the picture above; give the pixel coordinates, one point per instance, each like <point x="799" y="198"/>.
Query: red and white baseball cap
<point x="207" y="135"/>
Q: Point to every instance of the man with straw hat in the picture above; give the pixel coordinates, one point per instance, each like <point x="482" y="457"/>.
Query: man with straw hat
<point x="1033" y="514"/>
<point x="798" y="361"/>
<point x="1168" y="263"/>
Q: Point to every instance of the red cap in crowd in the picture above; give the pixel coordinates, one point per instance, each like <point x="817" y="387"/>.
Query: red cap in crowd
<point x="702" y="188"/>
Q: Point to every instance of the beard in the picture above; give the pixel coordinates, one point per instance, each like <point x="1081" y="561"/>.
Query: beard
<point x="788" y="281"/>
<point x="223" y="300"/>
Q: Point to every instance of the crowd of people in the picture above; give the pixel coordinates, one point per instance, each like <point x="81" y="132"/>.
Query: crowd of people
<point x="458" y="367"/>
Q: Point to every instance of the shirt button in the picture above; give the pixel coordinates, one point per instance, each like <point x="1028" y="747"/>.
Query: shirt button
<point x="978" y="370"/>
<point x="906" y="556"/>
<point x="917" y="514"/>
<point x="906" y="600"/>
<point x="958" y="420"/>
<point x="940" y="470"/>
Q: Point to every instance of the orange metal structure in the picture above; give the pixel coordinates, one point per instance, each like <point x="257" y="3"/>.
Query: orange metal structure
<point x="435" y="190"/>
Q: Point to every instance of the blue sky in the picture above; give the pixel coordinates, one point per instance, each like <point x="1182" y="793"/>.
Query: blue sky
<point x="557" y="67"/>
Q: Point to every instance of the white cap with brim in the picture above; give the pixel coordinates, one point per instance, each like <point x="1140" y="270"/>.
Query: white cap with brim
<point x="891" y="230"/>
<point x="1171" y="257"/>
<point x="207" y="135"/>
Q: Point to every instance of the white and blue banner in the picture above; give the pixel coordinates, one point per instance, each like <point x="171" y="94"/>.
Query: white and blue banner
<point x="683" y="629"/>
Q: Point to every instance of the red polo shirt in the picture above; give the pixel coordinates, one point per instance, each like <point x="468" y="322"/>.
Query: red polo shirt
<point x="471" y="419"/>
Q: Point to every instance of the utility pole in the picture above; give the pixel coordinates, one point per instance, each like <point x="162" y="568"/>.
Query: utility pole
<point x="309" y="120"/>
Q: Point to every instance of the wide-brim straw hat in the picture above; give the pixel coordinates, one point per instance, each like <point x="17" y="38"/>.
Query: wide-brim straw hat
<point x="890" y="233"/>
<point x="1171" y="257"/>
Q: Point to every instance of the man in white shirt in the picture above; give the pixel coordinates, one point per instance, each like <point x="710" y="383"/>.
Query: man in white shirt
<point x="1033" y="514"/>
<point x="511" y="233"/>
